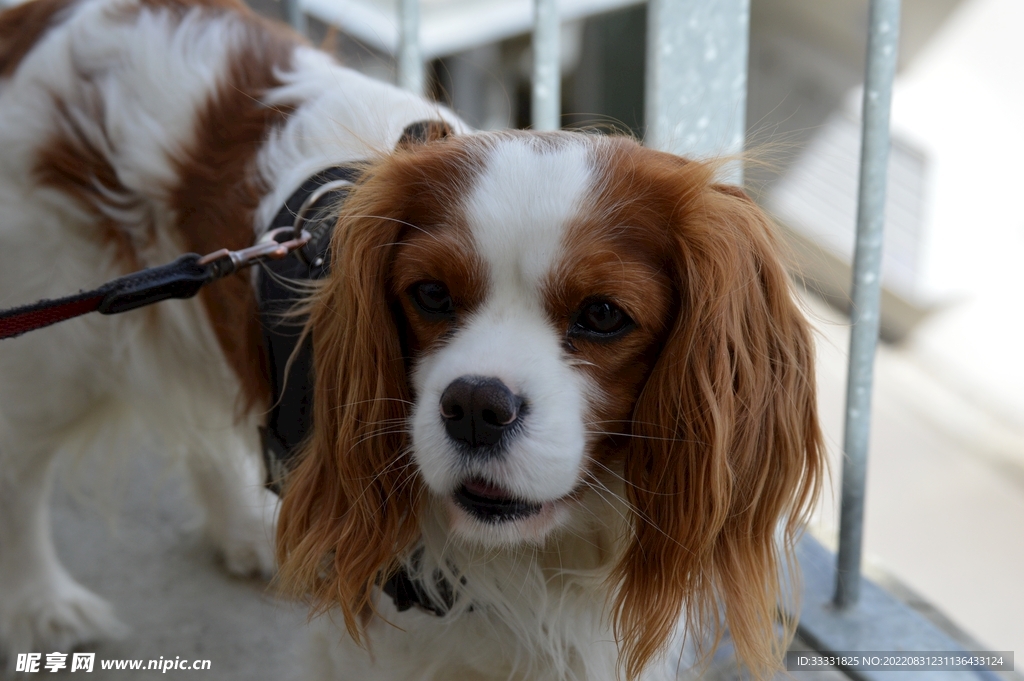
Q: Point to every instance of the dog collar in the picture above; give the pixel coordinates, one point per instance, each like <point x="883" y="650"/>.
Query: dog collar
<point x="406" y="592"/>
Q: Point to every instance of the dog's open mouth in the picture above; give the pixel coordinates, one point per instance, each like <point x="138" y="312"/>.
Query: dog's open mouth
<point x="492" y="504"/>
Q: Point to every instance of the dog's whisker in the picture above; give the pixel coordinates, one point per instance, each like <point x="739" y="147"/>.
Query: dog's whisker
<point x="386" y="218"/>
<point x="631" y="422"/>
<point x="375" y="400"/>
<point x="378" y="433"/>
<point x="622" y="479"/>
<point x="636" y="437"/>
<point x="598" y="489"/>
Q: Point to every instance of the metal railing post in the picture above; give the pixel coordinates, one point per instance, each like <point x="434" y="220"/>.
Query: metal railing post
<point x="696" y="89"/>
<point x="291" y="11"/>
<point x="411" y="72"/>
<point x="865" y="316"/>
<point x="546" y="105"/>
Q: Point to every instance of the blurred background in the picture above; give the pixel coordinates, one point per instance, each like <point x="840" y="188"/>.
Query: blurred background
<point x="944" y="525"/>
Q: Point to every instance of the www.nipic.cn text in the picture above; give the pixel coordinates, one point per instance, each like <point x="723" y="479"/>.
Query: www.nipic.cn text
<point x="86" y="662"/>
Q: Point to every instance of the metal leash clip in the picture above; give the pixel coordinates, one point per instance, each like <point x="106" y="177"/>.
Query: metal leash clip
<point x="225" y="262"/>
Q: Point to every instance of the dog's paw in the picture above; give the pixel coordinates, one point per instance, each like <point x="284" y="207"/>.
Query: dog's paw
<point x="246" y="539"/>
<point x="61" y="618"/>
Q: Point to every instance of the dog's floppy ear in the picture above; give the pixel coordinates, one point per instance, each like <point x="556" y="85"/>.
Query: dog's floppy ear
<point x="726" y="444"/>
<point x="349" y="507"/>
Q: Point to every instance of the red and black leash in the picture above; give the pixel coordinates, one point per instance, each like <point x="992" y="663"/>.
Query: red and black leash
<point x="179" y="279"/>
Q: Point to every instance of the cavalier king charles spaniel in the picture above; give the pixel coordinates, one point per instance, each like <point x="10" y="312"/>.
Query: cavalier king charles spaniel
<point x="564" y="421"/>
<point x="564" y="391"/>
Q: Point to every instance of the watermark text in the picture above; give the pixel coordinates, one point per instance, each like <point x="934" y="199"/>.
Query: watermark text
<point x="86" y="662"/>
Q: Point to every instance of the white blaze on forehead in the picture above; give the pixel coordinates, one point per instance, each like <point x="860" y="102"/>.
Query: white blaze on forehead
<point x="518" y="211"/>
<point x="520" y="206"/>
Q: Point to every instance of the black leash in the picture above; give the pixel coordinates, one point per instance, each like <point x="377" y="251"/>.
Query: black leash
<point x="179" y="279"/>
<point x="183" y="278"/>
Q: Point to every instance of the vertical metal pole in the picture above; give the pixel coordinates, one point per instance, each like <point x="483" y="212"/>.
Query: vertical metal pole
<point x="696" y="89"/>
<point x="291" y="11"/>
<point x="410" y="56"/>
<point x="883" y="39"/>
<point x="547" y="92"/>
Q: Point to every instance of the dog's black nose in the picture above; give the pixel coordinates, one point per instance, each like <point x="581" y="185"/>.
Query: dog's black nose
<point x="478" y="410"/>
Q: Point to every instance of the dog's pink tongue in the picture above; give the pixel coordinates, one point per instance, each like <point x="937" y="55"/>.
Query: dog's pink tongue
<point x="484" y="489"/>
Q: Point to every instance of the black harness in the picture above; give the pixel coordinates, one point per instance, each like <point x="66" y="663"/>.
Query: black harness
<point x="313" y="207"/>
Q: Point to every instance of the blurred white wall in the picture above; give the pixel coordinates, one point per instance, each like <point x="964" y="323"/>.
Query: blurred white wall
<point x="954" y="233"/>
<point x="962" y="103"/>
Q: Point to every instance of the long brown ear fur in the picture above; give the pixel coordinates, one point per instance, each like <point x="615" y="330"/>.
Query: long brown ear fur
<point x="349" y="507"/>
<point x="727" y="444"/>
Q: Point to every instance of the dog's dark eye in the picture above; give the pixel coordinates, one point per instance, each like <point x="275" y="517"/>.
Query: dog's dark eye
<point x="433" y="299"/>
<point x="600" y="320"/>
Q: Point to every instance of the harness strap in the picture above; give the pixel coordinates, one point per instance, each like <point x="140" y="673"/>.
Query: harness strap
<point x="291" y="364"/>
<point x="313" y="205"/>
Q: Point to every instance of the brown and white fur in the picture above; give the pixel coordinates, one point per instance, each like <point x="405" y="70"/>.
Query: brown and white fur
<point x="658" y="434"/>
<point x="133" y="131"/>
<point x="662" y="441"/>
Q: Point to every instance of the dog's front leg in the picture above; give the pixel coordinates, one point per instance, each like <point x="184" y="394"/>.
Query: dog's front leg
<point x="241" y="514"/>
<point x="41" y="606"/>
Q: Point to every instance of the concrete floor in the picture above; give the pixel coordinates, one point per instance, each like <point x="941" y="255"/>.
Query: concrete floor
<point x="134" y="538"/>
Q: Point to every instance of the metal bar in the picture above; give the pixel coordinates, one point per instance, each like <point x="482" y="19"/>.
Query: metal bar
<point x="883" y="38"/>
<point x="291" y="11"/>
<point x="546" y="110"/>
<point x="696" y="89"/>
<point x="879" y="622"/>
<point x="410" y="57"/>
